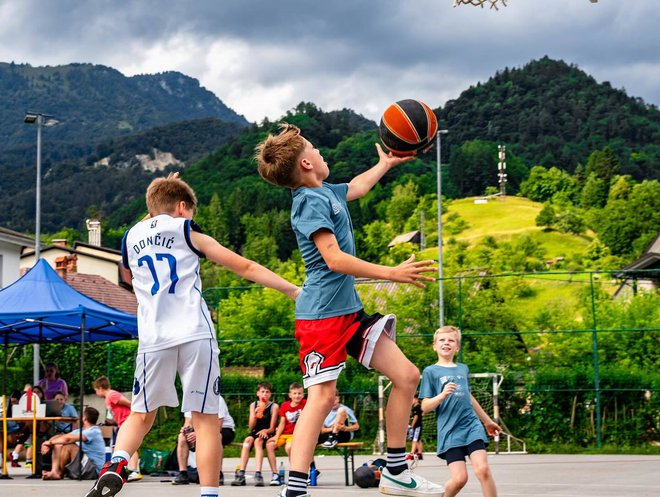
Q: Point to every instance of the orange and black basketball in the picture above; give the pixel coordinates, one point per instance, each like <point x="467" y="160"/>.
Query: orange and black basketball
<point x="407" y="127"/>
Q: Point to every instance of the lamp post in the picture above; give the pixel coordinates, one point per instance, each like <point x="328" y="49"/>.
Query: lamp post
<point x="441" y="302"/>
<point x="41" y="120"/>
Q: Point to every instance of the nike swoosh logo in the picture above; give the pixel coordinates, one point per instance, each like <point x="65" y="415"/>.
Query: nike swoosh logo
<point x="412" y="483"/>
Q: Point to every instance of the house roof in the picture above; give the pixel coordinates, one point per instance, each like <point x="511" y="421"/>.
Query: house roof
<point x="104" y="291"/>
<point x="85" y="249"/>
<point x="15" y="237"/>
<point x="412" y="237"/>
<point x="650" y="259"/>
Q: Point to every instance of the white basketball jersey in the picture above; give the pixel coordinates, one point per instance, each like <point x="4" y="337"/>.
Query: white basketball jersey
<point x="166" y="281"/>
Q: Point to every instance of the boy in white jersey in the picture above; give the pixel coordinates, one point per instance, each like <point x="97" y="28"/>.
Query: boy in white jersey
<point x="176" y="334"/>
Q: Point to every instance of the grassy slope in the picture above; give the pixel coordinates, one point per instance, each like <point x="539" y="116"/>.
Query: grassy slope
<point x="507" y="219"/>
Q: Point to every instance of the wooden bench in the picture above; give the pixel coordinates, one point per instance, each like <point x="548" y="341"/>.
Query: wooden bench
<point x="348" y="454"/>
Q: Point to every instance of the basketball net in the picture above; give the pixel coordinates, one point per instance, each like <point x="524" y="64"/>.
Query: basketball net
<point x="480" y="3"/>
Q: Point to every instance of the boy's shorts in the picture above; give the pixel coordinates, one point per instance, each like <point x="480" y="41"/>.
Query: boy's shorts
<point x="198" y="367"/>
<point x="414" y="434"/>
<point x="458" y="453"/>
<point x="284" y="439"/>
<point x="325" y="343"/>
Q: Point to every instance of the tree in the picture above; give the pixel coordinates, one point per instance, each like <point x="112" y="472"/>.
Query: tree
<point x="402" y="205"/>
<point x="544" y="184"/>
<point x="546" y="217"/>
<point x="604" y="164"/>
<point x="622" y="222"/>
<point x="570" y="221"/>
<point x="594" y="193"/>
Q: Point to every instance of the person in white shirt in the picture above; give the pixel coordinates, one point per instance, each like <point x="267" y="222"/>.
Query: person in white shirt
<point x="175" y="331"/>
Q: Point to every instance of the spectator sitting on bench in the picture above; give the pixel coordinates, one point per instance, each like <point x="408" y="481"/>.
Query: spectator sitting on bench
<point x="187" y="440"/>
<point x="64" y="448"/>
<point x="289" y="414"/>
<point x="262" y="425"/>
<point x="339" y="426"/>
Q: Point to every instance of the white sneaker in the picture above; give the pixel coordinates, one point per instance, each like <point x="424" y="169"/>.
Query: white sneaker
<point x="282" y="493"/>
<point x="134" y="476"/>
<point x="409" y="484"/>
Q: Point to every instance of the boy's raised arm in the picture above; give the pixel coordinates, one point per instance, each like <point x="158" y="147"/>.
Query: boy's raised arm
<point x="409" y="271"/>
<point x="363" y="183"/>
<point x="243" y="267"/>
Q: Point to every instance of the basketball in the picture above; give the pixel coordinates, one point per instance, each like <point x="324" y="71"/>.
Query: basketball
<point x="407" y="127"/>
<point x="365" y="477"/>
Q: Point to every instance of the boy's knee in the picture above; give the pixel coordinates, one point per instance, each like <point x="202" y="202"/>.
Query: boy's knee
<point x="408" y="377"/>
<point x="482" y="472"/>
<point x="460" y="481"/>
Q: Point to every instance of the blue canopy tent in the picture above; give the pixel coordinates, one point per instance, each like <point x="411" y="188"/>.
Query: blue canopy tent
<point x="41" y="307"/>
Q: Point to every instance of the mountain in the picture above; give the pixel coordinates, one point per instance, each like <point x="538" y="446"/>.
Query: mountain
<point x="111" y="180"/>
<point x="94" y="102"/>
<point x="547" y="112"/>
<point x="551" y="113"/>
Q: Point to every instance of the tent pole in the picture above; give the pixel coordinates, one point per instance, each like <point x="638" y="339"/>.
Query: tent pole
<point x="82" y="390"/>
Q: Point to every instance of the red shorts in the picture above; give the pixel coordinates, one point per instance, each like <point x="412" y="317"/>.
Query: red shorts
<point x="325" y="343"/>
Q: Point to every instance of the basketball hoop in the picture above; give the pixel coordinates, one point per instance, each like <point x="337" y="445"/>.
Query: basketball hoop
<point x="480" y="3"/>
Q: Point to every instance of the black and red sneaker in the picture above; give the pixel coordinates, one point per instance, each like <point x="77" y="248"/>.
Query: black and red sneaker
<point x="112" y="477"/>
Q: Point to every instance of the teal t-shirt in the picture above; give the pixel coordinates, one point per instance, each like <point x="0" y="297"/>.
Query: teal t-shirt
<point x="325" y="293"/>
<point x="458" y="424"/>
<point x="94" y="447"/>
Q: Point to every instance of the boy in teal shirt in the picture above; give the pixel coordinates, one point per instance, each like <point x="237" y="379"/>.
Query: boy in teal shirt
<point x="445" y="389"/>
<point x="330" y="320"/>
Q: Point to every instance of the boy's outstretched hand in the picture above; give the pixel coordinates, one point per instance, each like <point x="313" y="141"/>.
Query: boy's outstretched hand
<point x="389" y="159"/>
<point x="411" y="271"/>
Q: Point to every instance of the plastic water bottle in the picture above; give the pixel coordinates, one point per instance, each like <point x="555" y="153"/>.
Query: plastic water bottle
<point x="281" y="473"/>
<point x="312" y="477"/>
<point x="108" y="453"/>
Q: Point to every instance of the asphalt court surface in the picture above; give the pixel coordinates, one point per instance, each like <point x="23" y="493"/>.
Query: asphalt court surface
<point x="515" y="476"/>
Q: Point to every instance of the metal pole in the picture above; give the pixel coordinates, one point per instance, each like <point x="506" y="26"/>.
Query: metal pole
<point x="441" y="300"/>
<point x="37" y="240"/>
<point x="594" y="345"/>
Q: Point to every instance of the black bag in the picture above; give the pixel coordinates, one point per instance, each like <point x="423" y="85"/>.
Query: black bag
<point x="89" y="471"/>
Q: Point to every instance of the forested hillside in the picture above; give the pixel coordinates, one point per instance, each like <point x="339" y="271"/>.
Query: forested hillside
<point x="94" y="102"/>
<point x="75" y="189"/>
<point x="551" y="113"/>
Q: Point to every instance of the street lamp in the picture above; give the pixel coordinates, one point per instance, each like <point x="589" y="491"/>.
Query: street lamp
<point x="41" y="120"/>
<point x="441" y="302"/>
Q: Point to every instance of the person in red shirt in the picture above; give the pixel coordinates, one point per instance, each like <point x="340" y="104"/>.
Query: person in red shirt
<point x="289" y="414"/>
<point x="120" y="407"/>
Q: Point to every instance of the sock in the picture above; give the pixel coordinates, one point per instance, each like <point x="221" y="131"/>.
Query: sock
<point x="396" y="460"/>
<point x="14" y="456"/>
<point x="297" y="484"/>
<point x="118" y="455"/>
<point x="209" y="491"/>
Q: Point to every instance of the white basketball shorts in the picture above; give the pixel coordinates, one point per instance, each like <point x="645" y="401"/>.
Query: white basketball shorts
<point x="198" y="367"/>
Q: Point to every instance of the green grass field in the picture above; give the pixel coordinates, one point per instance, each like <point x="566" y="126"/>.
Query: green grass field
<point x="508" y="218"/>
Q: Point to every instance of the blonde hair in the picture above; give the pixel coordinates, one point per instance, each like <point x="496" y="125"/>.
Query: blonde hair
<point x="448" y="329"/>
<point x="163" y="195"/>
<point x="277" y="156"/>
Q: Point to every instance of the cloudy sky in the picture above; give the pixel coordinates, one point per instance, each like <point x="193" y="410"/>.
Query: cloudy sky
<point x="262" y="58"/>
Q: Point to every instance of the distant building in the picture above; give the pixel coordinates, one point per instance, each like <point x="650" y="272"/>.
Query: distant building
<point x="91" y="269"/>
<point x="11" y="247"/>
<point x="637" y="275"/>
<point x="411" y="237"/>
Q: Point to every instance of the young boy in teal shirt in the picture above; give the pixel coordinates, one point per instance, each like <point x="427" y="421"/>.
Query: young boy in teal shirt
<point x="445" y="389"/>
<point x="330" y="320"/>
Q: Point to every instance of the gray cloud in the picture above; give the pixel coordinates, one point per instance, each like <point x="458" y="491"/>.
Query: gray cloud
<point x="262" y="58"/>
